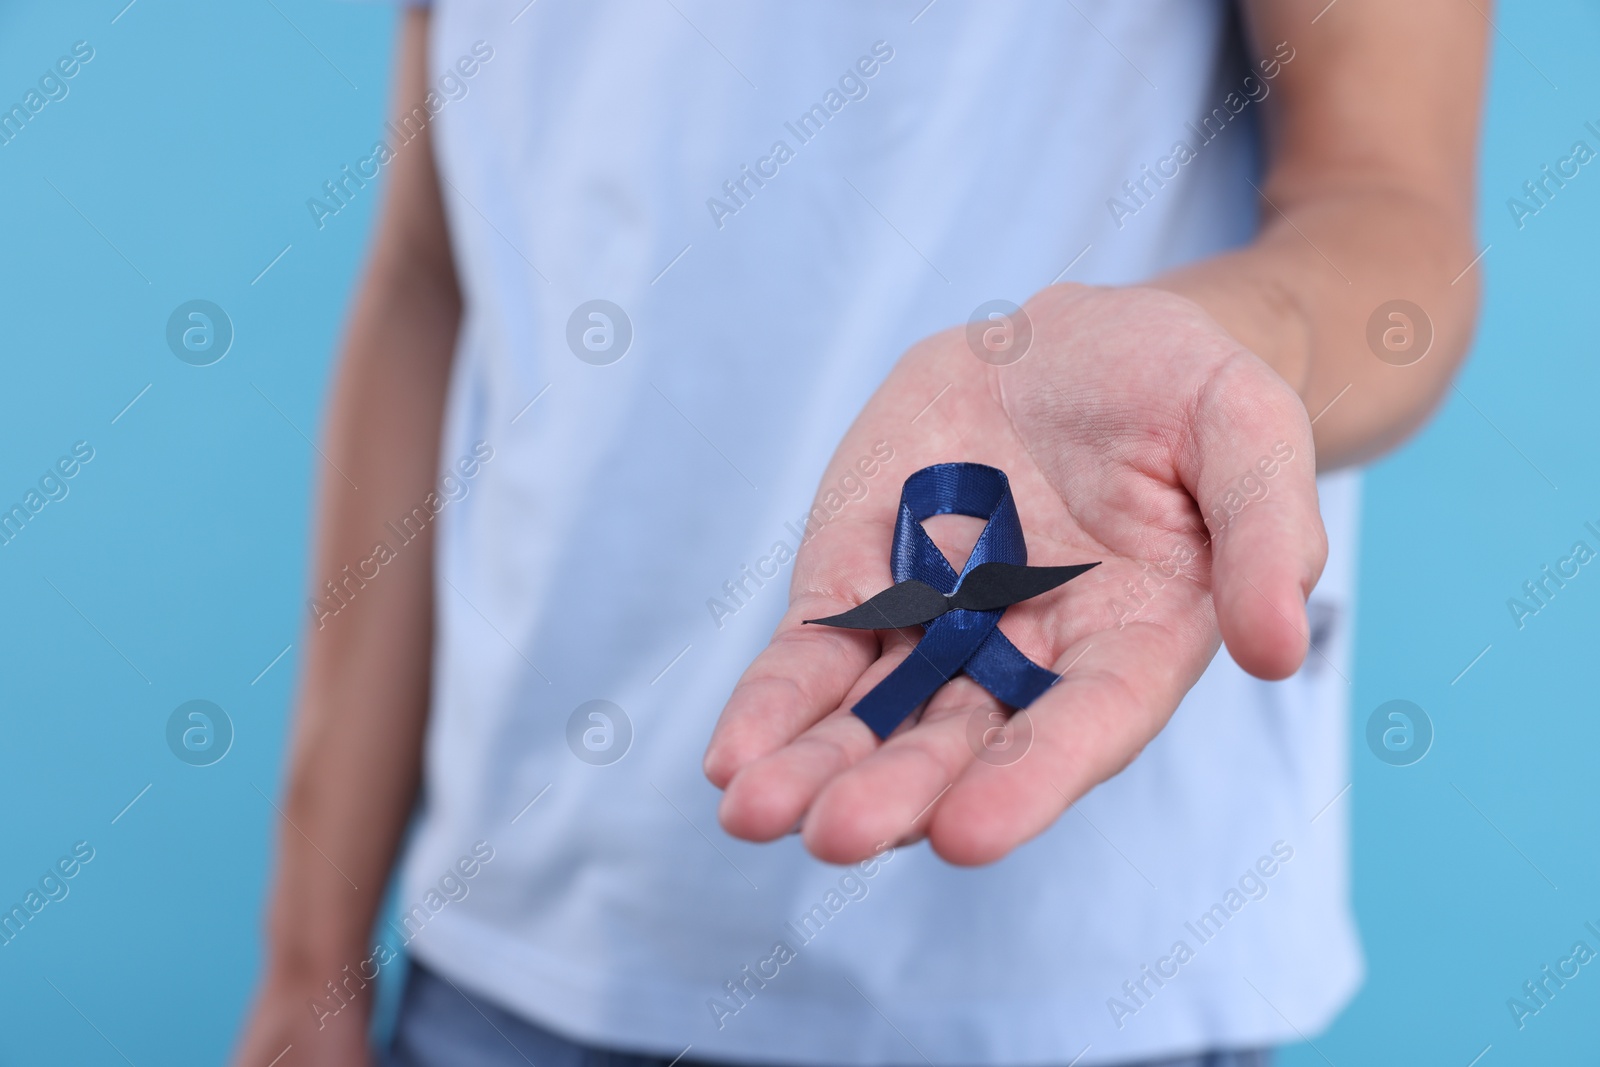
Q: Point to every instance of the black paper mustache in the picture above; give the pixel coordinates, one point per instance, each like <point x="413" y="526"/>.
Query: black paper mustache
<point x="989" y="587"/>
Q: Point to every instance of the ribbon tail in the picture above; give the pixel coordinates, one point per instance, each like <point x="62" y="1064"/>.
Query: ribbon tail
<point x="945" y="648"/>
<point x="1008" y="675"/>
<point x="906" y="688"/>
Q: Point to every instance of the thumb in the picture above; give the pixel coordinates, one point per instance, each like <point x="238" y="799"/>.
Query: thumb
<point x="1253" y="472"/>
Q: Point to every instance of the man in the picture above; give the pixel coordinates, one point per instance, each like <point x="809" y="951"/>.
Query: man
<point x="662" y="260"/>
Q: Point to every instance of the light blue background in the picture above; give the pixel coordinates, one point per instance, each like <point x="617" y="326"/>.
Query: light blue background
<point x="178" y="168"/>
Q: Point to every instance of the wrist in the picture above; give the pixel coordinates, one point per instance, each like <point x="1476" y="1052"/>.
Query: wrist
<point x="1262" y="314"/>
<point x="310" y="950"/>
<point x="326" y="986"/>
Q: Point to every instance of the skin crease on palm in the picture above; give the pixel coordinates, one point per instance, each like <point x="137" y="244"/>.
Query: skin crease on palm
<point x="1130" y="415"/>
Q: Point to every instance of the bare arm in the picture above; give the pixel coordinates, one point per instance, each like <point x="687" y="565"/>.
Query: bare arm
<point x="1372" y="134"/>
<point x="363" y="700"/>
<point x="1368" y="199"/>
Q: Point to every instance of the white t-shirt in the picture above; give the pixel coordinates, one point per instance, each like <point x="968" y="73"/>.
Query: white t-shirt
<point x="629" y="151"/>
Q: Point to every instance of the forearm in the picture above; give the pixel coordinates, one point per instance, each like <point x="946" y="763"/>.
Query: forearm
<point x="1371" y="128"/>
<point x="1301" y="297"/>
<point x="363" y="701"/>
<point x="362" y="706"/>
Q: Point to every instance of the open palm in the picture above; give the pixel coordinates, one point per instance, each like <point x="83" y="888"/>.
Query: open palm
<point x="1136" y="433"/>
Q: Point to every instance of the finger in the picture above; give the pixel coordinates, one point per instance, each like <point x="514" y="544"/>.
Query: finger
<point x="888" y="797"/>
<point x="805" y="672"/>
<point x="1120" y="689"/>
<point x="768" y="796"/>
<point x="1253" y="472"/>
<point x="801" y="676"/>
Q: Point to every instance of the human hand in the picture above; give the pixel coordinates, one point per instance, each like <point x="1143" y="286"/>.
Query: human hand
<point x="1132" y="416"/>
<point x="283" y="1019"/>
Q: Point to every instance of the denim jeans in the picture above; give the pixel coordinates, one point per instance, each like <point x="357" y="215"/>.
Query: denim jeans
<point x="440" y="1025"/>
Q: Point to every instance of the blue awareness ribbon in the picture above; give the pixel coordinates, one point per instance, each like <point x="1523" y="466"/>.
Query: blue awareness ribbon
<point x="959" y="637"/>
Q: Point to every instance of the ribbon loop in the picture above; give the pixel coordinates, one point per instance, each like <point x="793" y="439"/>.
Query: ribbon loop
<point x="962" y="625"/>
